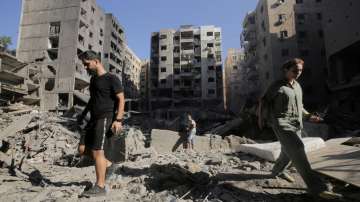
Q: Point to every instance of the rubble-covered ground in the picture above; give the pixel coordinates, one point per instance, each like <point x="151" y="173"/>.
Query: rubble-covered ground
<point x="39" y="163"/>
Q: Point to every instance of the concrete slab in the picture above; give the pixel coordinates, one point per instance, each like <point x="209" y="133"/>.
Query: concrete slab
<point x="338" y="161"/>
<point x="271" y="151"/>
<point x="16" y="126"/>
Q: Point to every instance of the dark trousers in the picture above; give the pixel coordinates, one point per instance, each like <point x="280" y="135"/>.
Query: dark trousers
<point x="292" y="150"/>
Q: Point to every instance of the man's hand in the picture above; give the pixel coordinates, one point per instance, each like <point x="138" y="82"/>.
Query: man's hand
<point x="116" y="127"/>
<point x="315" y="119"/>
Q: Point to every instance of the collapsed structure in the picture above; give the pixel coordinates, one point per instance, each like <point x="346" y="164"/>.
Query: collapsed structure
<point x="53" y="33"/>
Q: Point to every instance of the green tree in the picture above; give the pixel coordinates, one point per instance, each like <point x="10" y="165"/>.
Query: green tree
<point x="5" y="41"/>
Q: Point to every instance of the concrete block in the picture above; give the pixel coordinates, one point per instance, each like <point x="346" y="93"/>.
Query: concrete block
<point x="271" y="151"/>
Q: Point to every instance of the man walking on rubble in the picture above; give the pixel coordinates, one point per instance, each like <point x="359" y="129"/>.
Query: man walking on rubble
<point x="283" y="101"/>
<point x="191" y="133"/>
<point x="106" y="106"/>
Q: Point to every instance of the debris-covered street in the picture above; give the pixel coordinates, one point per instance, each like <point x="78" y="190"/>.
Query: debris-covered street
<point x="174" y="101"/>
<point x="39" y="162"/>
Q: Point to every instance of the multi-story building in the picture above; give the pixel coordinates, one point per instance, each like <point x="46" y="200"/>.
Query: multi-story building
<point x="131" y="74"/>
<point x="233" y="80"/>
<point x="185" y="70"/>
<point x="342" y="42"/>
<point x="286" y="29"/>
<point x="144" y="85"/>
<point x="51" y="36"/>
<point x="113" y="48"/>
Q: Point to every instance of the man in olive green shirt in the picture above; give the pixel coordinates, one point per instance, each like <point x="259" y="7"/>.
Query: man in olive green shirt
<point x="283" y="101"/>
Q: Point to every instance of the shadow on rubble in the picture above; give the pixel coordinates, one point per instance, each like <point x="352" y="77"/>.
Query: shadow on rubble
<point x="37" y="179"/>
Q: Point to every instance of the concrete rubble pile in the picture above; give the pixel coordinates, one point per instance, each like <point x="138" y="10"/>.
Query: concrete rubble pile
<point x="39" y="161"/>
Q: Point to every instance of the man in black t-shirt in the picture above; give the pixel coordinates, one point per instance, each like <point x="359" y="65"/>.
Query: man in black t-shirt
<point x="106" y="107"/>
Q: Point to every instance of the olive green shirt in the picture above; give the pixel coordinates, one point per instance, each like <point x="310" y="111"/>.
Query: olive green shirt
<point x="286" y="105"/>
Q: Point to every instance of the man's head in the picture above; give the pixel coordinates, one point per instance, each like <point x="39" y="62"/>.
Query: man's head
<point x="293" y="68"/>
<point x="91" y="60"/>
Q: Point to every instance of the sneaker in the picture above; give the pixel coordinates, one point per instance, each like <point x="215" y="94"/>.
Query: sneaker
<point x="94" y="192"/>
<point x="110" y="171"/>
<point x="286" y="177"/>
<point x="329" y="195"/>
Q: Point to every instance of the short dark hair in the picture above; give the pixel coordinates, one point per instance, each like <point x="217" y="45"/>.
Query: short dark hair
<point x="90" y="55"/>
<point x="293" y="62"/>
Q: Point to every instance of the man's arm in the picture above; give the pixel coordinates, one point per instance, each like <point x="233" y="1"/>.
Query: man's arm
<point x="84" y="112"/>
<point x="117" y="125"/>
<point x="121" y="105"/>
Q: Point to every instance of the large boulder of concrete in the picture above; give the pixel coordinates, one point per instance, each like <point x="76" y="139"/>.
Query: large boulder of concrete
<point x="163" y="140"/>
<point x="271" y="151"/>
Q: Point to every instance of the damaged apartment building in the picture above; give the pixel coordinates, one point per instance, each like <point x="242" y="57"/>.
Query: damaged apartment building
<point x="53" y="33"/>
<point x="342" y="42"/>
<point x="185" y="71"/>
<point x="279" y="30"/>
<point x="241" y="81"/>
<point x="15" y="84"/>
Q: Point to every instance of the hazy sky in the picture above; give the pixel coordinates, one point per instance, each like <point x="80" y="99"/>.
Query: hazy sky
<point x="141" y="17"/>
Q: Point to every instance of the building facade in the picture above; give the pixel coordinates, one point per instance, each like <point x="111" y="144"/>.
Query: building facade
<point x="285" y="29"/>
<point x="53" y="33"/>
<point x="131" y="74"/>
<point x="234" y="80"/>
<point x="144" y="85"/>
<point x="342" y="42"/>
<point x="185" y="70"/>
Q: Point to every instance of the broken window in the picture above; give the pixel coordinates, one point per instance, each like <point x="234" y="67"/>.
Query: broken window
<point x="281" y="18"/>
<point x="210" y="45"/>
<point x="177" y="60"/>
<point x="82" y="24"/>
<point x="283" y="34"/>
<point x="91" y="34"/>
<point x="83" y="12"/>
<point x="187" y="46"/>
<point x="63" y="100"/>
<point x="176" y="49"/>
<point x="235" y="67"/>
<point x="54" y="28"/>
<point x="187" y="34"/>
<point x="163" y="47"/>
<point x="50" y="84"/>
<point x="53" y="42"/>
<point x="101" y="32"/>
<point x="81" y="40"/>
<point x="52" y="54"/>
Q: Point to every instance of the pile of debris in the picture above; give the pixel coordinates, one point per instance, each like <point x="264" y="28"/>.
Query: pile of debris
<point x="38" y="161"/>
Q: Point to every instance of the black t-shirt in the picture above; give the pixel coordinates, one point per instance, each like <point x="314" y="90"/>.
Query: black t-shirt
<point x="103" y="90"/>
